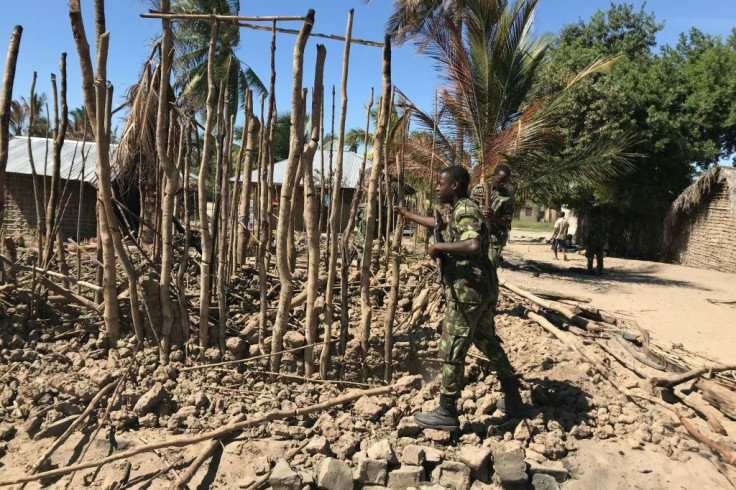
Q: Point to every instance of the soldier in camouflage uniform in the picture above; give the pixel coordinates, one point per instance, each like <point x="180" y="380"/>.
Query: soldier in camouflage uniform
<point x="501" y="211"/>
<point x="471" y="289"/>
<point x="359" y="230"/>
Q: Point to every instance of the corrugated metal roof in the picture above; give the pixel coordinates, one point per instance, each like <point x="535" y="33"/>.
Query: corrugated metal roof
<point x="351" y="163"/>
<point x="71" y="158"/>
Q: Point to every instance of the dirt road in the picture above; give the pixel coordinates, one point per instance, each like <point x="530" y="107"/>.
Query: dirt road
<point x="678" y="305"/>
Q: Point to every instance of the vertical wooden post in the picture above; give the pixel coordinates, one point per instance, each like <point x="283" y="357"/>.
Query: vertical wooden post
<point x="335" y="204"/>
<point x="288" y="182"/>
<point x="379" y="140"/>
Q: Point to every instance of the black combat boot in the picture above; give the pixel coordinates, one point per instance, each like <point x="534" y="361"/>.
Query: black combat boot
<point x="511" y="403"/>
<point x="444" y="417"/>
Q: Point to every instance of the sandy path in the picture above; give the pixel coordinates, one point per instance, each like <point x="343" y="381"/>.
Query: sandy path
<point x="671" y="301"/>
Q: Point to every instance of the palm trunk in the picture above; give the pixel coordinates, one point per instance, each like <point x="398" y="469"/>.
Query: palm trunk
<point x="311" y="210"/>
<point x="345" y="249"/>
<point x="184" y="153"/>
<point x="204" y="268"/>
<point x="171" y="186"/>
<point x="335" y="207"/>
<point x="238" y="189"/>
<point x="288" y="183"/>
<point x="379" y="140"/>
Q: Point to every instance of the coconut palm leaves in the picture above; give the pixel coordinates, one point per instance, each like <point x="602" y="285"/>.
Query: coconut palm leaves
<point x="488" y="60"/>
<point x="191" y="44"/>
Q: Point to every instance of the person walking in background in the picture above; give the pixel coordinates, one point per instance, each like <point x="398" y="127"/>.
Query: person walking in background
<point x="559" y="234"/>
<point x="596" y="235"/>
<point x="498" y="212"/>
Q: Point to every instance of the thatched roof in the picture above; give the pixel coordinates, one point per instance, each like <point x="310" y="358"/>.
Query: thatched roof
<point x="688" y="202"/>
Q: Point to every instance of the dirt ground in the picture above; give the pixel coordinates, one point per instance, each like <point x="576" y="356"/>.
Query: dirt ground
<point x="580" y="429"/>
<point x="671" y="301"/>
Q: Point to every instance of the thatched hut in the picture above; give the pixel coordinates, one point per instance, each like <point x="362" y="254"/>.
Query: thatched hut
<point x="700" y="229"/>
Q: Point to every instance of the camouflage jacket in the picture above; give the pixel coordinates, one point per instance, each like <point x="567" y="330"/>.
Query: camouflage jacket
<point x="469" y="279"/>
<point x="360" y="225"/>
<point x="502" y="204"/>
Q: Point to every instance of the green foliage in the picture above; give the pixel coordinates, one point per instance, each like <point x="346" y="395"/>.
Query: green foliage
<point x="678" y="103"/>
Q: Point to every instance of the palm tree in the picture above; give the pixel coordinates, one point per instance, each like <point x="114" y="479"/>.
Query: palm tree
<point x="18" y="118"/>
<point x="21" y="113"/>
<point x="78" y="124"/>
<point x="487" y="60"/>
<point x="191" y="42"/>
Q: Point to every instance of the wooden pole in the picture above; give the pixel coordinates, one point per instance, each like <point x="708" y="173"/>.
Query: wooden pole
<point x="335" y="201"/>
<point x="346" y="234"/>
<point x="204" y="288"/>
<point x="288" y="182"/>
<point x="6" y="97"/>
<point x="379" y="140"/>
<point x="311" y="209"/>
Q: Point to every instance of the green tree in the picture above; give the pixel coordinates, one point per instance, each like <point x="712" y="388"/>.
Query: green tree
<point x="679" y="103"/>
<point x="191" y="44"/>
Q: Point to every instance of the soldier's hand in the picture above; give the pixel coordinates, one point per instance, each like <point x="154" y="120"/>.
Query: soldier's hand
<point x="487" y="213"/>
<point x="433" y="252"/>
<point x="400" y="210"/>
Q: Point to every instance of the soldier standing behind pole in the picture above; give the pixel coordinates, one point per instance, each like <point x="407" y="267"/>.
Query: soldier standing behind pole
<point x="498" y="212"/>
<point x="471" y="292"/>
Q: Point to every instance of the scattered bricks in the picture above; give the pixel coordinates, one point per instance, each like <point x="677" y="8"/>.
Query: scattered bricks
<point x="509" y="466"/>
<point x="406" y="384"/>
<point x="453" y="475"/>
<point x="407" y="427"/>
<point x="555" y="469"/>
<point x="368" y="409"/>
<point x="318" y="445"/>
<point x="383" y="450"/>
<point x="478" y="459"/>
<point x="372" y="471"/>
<point x="405" y="477"/>
<point x="284" y="478"/>
<point x="413" y="455"/>
<point x="150" y="399"/>
<point x="432" y="455"/>
<point x="544" y="482"/>
<point x="334" y="474"/>
<point x="439" y="436"/>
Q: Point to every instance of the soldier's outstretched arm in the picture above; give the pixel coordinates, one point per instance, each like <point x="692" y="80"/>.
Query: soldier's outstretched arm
<point x="470" y="246"/>
<point x="427" y="221"/>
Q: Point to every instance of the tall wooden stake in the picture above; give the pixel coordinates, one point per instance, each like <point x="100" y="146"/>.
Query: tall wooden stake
<point x="311" y="210"/>
<point x="287" y="184"/>
<point x="335" y="204"/>
<point x="379" y="140"/>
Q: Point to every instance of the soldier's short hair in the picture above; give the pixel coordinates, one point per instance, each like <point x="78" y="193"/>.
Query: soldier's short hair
<point x="459" y="174"/>
<point x="502" y="167"/>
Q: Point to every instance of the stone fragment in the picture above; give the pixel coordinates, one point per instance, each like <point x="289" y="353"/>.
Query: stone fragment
<point x="284" y="478"/>
<point x="7" y="432"/>
<point x="405" y="477"/>
<point x="334" y="474"/>
<point x="318" y="445"/>
<point x="555" y="469"/>
<point x="413" y="455"/>
<point x="293" y="340"/>
<point x="478" y="459"/>
<point x="407" y="427"/>
<point x="479" y="485"/>
<point x="346" y="445"/>
<point x="522" y="432"/>
<point x="372" y="471"/>
<point x="604" y="432"/>
<point x="368" y="409"/>
<point x="433" y="455"/>
<point x="439" y="436"/>
<point x="382" y="450"/>
<point x="406" y="384"/>
<point x="509" y="466"/>
<point x="236" y="346"/>
<point x="581" y="432"/>
<point x="453" y="475"/>
<point x="540" y="481"/>
<point x="149" y="421"/>
<point x="150" y="399"/>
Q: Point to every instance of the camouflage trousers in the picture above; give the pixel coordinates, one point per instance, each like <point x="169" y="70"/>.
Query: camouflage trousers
<point x="494" y="251"/>
<point x="467" y="324"/>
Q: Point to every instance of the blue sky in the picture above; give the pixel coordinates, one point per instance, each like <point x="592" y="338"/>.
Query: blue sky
<point x="47" y="33"/>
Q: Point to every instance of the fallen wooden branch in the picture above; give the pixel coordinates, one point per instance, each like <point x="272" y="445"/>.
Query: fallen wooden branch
<point x="182" y="441"/>
<point x="711" y="415"/>
<point x="60" y="440"/>
<point x="30" y="268"/>
<point x="638" y="355"/>
<point x="720" y="396"/>
<point x="74" y="298"/>
<point x="205" y="455"/>
<point x="557" y="295"/>
<point x="681" y="378"/>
